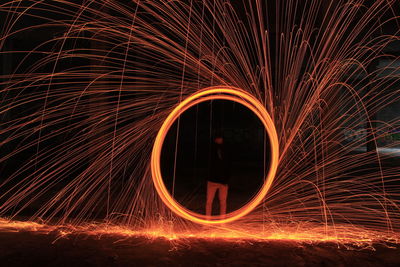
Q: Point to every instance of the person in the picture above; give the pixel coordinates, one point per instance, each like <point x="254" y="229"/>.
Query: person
<point x="218" y="177"/>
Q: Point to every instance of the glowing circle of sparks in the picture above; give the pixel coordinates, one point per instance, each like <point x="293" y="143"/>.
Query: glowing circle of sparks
<point x="215" y="93"/>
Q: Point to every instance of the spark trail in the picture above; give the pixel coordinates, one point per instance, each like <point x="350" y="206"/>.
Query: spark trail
<point x="82" y="108"/>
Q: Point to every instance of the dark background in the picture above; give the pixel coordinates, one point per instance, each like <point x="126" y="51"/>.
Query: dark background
<point x="243" y="133"/>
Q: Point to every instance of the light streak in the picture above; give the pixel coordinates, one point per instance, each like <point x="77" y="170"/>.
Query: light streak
<point x="222" y="93"/>
<point x="82" y="109"/>
<point x="302" y="233"/>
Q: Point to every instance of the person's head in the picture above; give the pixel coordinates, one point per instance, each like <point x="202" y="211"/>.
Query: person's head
<point x="218" y="137"/>
<point x="219" y="140"/>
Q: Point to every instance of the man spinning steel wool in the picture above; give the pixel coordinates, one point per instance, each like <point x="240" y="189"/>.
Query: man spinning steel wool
<point x="218" y="177"/>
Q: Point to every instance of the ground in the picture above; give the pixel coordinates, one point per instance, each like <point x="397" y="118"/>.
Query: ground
<point x="27" y="248"/>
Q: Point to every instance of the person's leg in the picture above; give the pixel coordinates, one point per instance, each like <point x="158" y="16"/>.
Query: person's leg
<point x="223" y="195"/>
<point x="211" y="188"/>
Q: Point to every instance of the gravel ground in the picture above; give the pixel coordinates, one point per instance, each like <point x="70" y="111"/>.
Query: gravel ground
<point x="26" y="248"/>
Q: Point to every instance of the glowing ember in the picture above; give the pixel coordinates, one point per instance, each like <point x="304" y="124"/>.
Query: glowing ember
<point x="298" y="233"/>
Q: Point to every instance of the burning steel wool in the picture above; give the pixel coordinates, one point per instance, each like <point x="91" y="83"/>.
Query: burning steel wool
<point x="91" y="91"/>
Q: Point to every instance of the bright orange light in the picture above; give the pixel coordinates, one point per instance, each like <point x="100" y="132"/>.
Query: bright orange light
<point x="212" y="93"/>
<point x="348" y="235"/>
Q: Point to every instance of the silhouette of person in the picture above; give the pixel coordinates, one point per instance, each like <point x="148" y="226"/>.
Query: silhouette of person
<point x="218" y="176"/>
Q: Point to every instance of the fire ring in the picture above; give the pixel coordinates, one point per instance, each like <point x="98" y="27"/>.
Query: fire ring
<point x="214" y="93"/>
